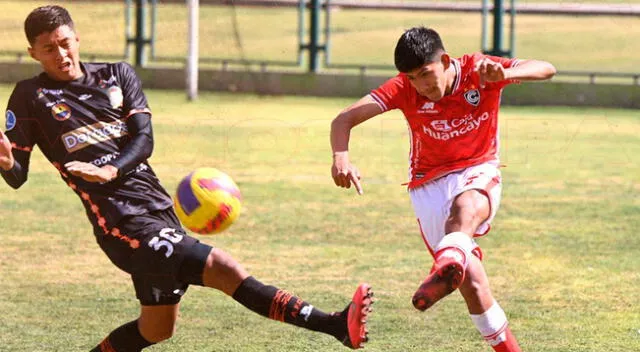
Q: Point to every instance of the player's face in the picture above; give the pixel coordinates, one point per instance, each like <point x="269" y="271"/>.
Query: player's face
<point x="429" y="80"/>
<point x="59" y="53"/>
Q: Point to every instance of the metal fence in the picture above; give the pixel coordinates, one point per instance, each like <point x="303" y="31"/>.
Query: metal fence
<point x="353" y="36"/>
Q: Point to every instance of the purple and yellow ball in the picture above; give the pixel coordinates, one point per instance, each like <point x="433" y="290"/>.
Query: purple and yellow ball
<point x="207" y="201"/>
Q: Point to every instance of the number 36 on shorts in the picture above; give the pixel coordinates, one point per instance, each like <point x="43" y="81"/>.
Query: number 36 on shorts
<point x="165" y="239"/>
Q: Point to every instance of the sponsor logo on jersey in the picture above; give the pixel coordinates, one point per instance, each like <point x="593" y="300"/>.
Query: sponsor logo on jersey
<point x="11" y="120"/>
<point x="41" y="92"/>
<point x="104" y="159"/>
<point x="449" y="129"/>
<point x="93" y="134"/>
<point x="84" y="97"/>
<point x="61" y="111"/>
<point x="115" y="96"/>
<point x="440" y="125"/>
<point x="472" y="97"/>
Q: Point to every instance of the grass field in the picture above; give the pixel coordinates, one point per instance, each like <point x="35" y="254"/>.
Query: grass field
<point x="562" y="255"/>
<point x="358" y="36"/>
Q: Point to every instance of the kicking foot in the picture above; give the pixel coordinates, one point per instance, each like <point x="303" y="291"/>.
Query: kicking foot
<point x="357" y="313"/>
<point x="446" y="276"/>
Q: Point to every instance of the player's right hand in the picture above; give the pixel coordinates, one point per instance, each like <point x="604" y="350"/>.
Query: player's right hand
<point x="344" y="173"/>
<point x="6" y="156"/>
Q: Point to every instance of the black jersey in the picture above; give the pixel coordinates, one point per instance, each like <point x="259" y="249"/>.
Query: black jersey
<point x="84" y="120"/>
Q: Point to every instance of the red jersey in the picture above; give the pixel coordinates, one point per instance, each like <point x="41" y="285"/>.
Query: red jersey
<point x="458" y="131"/>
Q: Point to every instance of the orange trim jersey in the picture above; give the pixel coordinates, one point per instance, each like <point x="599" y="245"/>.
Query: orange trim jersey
<point x="85" y="120"/>
<point x="458" y="131"/>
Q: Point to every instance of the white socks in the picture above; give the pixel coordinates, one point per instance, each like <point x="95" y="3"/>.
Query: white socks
<point x="492" y="324"/>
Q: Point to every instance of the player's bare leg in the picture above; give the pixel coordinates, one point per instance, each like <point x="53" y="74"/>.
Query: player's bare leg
<point x="349" y="326"/>
<point x="469" y="210"/>
<point x="452" y="255"/>
<point x="486" y="313"/>
<point x="157" y="323"/>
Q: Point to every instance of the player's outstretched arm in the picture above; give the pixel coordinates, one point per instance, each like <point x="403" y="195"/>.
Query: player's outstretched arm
<point x="531" y="70"/>
<point x="526" y="70"/>
<point x="343" y="172"/>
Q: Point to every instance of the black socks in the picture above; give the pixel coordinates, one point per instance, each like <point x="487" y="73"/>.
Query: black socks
<point x="280" y="305"/>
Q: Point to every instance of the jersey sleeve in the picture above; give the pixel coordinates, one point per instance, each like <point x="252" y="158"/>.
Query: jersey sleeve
<point x="390" y="94"/>
<point x="134" y="99"/>
<point x="19" y="121"/>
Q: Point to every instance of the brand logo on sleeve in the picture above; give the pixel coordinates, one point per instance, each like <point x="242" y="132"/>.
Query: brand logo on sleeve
<point x="11" y="120"/>
<point x="93" y="134"/>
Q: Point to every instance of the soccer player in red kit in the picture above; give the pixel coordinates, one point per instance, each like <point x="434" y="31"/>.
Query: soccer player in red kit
<point x="93" y="123"/>
<point x="451" y="107"/>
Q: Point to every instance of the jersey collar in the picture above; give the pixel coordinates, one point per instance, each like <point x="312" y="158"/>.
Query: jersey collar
<point x="456" y="83"/>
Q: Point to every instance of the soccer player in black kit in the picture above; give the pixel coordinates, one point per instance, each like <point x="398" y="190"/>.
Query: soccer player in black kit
<point x="93" y="123"/>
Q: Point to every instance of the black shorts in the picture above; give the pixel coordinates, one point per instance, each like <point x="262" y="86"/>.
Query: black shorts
<point x="161" y="258"/>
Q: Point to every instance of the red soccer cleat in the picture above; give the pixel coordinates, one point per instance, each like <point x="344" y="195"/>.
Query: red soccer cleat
<point x="357" y="313"/>
<point x="446" y="276"/>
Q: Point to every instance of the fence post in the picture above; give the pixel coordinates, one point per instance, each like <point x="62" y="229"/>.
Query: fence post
<point x="498" y="11"/>
<point x="140" y="39"/>
<point x="314" y="33"/>
<point x="498" y="28"/>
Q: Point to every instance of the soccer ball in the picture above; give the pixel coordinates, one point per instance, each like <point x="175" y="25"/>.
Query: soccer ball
<point x="207" y="201"/>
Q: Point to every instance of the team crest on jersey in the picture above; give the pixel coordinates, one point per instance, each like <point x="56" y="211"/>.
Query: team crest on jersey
<point x="61" y="111"/>
<point x="115" y="96"/>
<point x="472" y="97"/>
<point x="11" y="120"/>
<point x="104" y="84"/>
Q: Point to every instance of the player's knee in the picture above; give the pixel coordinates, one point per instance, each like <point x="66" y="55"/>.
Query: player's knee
<point x="221" y="261"/>
<point x="223" y="272"/>
<point x="468" y="210"/>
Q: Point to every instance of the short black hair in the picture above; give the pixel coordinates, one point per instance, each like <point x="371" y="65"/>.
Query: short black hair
<point x="46" y="19"/>
<point x="416" y="47"/>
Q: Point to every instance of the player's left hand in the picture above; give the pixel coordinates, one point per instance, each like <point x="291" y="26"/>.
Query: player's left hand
<point x="90" y="172"/>
<point x="489" y="71"/>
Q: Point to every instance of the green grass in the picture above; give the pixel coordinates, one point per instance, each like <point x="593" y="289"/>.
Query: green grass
<point x="359" y="37"/>
<point x="562" y="256"/>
